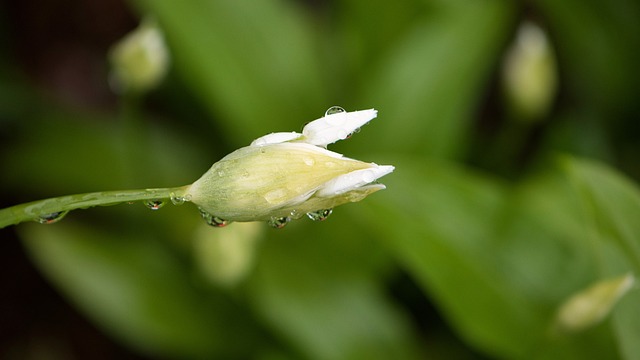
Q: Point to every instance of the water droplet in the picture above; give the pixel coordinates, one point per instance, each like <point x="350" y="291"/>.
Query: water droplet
<point x="309" y="161"/>
<point x="355" y="196"/>
<point x="357" y="130"/>
<point x="334" y="110"/>
<point x="51" y="218"/>
<point x="278" y="222"/>
<point x="154" y="204"/>
<point x="212" y="219"/>
<point x="320" y="215"/>
<point x="179" y="200"/>
<point x="295" y="214"/>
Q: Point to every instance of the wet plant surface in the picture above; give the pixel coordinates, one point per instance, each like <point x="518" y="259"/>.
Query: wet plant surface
<point x="512" y="128"/>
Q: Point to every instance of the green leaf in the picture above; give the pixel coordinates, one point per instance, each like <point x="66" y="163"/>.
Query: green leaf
<point x="138" y="291"/>
<point x="612" y="209"/>
<point x="318" y="285"/>
<point x="426" y="87"/>
<point x="45" y="159"/>
<point x="438" y="221"/>
<point x="489" y="254"/>
<point x="596" y="43"/>
<point x="252" y="63"/>
<point x="612" y="206"/>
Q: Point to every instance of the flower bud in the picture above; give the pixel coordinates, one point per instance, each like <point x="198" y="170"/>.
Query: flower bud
<point x="140" y="60"/>
<point x="226" y="257"/>
<point x="283" y="176"/>
<point x="588" y="307"/>
<point x="529" y="74"/>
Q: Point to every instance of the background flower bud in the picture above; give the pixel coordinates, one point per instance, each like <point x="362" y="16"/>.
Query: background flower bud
<point x="530" y="74"/>
<point x="588" y="307"/>
<point x="140" y="60"/>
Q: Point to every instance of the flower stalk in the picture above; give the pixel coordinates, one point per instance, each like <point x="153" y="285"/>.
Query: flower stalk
<point x="51" y="210"/>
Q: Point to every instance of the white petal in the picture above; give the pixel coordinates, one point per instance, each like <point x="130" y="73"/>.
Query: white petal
<point x="276" y="138"/>
<point x="353" y="180"/>
<point x="334" y="127"/>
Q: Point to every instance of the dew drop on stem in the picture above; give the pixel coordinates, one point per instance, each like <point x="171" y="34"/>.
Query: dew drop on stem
<point x="177" y="199"/>
<point x="153" y="204"/>
<point x="51" y="218"/>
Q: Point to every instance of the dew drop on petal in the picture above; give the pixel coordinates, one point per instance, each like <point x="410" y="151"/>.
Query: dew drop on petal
<point x="51" y="218"/>
<point x="319" y="215"/>
<point x="357" y="130"/>
<point x="296" y="214"/>
<point x="279" y="222"/>
<point x="213" y="220"/>
<point x="309" y="161"/>
<point x="355" y="196"/>
<point x="334" y="110"/>
<point x="154" y="204"/>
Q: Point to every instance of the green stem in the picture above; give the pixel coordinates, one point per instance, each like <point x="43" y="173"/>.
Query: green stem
<point x="53" y="209"/>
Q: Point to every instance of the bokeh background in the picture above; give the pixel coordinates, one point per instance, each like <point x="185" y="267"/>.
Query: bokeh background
<point x="513" y="127"/>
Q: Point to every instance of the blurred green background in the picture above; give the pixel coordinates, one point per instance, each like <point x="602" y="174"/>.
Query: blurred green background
<point x="515" y="185"/>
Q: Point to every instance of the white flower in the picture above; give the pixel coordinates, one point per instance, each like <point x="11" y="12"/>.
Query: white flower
<point x="282" y="176"/>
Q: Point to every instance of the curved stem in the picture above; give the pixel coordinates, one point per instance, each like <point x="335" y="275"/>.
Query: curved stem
<point x="50" y="210"/>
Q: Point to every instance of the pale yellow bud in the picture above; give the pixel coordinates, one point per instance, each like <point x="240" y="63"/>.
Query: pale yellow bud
<point x="282" y="176"/>
<point x="226" y="257"/>
<point x="140" y="60"/>
<point x="261" y="182"/>
<point x="590" y="306"/>
<point x="529" y="73"/>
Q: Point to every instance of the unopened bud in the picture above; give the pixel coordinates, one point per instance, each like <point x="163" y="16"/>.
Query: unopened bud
<point x="140" y="61"/>
<point x="226" y="257"/>
<point x="590" y="306"/>
<point x="529" y="74"/>
<point x="286" y="175"/>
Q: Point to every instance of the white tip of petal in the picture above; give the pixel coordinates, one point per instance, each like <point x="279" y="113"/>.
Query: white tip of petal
<point x="353" y="180"/>
<point x="275" y="138"/>
<point x="338" y="126"/>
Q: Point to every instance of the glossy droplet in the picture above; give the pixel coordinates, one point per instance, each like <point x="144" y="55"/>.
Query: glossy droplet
<point x="179" y="200"/>
<point x="295" y="214"/>
<point x="357" y="130"/>
<point x="278" y="222"/>
<point x="213" y="220"/>
<point x="309" y="161"/>
<point x="154" y="204"/>
<point x="334" y="110"/>
<point x="52" y="218"/>
<point x="320" y="215"/>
